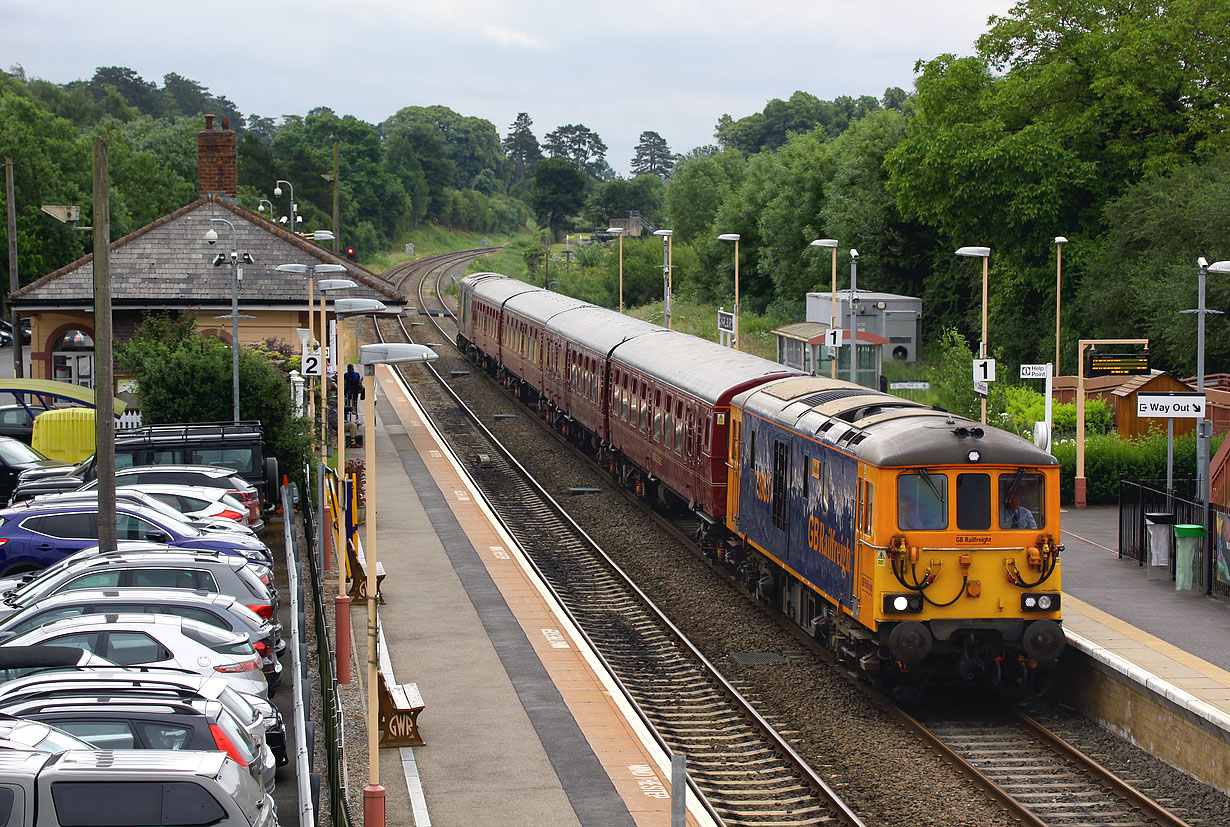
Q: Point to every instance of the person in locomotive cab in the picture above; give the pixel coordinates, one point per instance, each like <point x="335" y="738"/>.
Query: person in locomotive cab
<point x="1015" y="515"/>
<point x="920" y="507"/>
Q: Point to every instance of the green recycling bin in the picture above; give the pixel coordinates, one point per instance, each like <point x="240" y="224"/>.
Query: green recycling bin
<point x="1188" y="540"/>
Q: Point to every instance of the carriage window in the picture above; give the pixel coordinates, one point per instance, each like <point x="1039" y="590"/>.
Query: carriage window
<point x="668" y="426"/>
<point x="781" y="467"/>
<point x="806" y="476"/>
<point x="868" y="508"/>
<point x="1021" y="501"/>
<point x="922" y="501"/>
<point x="691" y="431"/>
<point x="973" y="502"/>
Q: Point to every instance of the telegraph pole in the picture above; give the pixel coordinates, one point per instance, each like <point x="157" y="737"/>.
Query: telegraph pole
<point x="104" y="370"/>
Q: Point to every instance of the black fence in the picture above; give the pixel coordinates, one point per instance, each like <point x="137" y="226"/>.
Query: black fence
<point x="1140" y="497"/>
<point x="331" y="712"/>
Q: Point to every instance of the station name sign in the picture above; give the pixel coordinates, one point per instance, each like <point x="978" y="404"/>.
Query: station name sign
<point x="1118" y="364"/>
<point x="1172" y="405"/>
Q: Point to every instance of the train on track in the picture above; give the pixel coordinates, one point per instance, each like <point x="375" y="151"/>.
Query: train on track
<point x="918" y="546"/>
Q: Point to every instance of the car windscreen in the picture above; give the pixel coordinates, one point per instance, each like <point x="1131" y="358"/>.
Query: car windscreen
<point x="15" y="453"/>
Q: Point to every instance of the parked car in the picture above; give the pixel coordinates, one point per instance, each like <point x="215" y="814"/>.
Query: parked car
<point x="220" y="610"/>
<point x="135" y="496"/>
<point x="17" y="457"/>
<point x="135" y="721"/>
<point x="144" y="565"/>
<point x="37" y="482"/>
<point x="19" y="733"/>
<point x="257" y="715"/>
<point x="88" y="787"/>
<point x="199" y="502"/>
<point x="34" y="536"/>
<point x="6" y="327"/>
<point x="152" y="639"/>
<point x="17" y="421"/>
<point x="234" y="446"/>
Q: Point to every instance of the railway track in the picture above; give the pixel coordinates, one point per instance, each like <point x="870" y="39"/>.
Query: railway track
<point x="1033" y="775"/>
<point x="743" y="770"/>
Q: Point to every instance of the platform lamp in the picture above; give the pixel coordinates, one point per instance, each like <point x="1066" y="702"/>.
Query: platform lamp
<point x="666" y="273"/>
<point x="369" y="357"/>
<point x="619" y="231"/>
<point x="831" y="243"/>
<point x="983" y="253"/>
<point x="1059" y="242"/>
<point x="735" y="238"/>
<point x="325" y="286"/>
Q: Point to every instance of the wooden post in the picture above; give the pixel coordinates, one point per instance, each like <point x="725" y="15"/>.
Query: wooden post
<point x="104" y="370"/>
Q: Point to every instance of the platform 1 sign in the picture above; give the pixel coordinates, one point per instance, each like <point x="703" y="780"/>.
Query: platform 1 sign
<point x="1172" y="405"/>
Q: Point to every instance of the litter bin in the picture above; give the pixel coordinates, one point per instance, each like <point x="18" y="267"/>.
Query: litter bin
<point x="1187" y="539"/>
<point x="1157" y="548"/>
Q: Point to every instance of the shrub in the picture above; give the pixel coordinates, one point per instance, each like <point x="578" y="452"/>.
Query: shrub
<point x="1107" y="458"/>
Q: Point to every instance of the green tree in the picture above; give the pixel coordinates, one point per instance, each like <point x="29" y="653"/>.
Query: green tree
<point x="186" y="377"/>
<point x="615" y="199"/>
<point x="580" y="145"/>
<point x="653" y="156"/>
<point x="471" y="144"/>
<point x="697" y="189"/>
<point x="522" y="147"/>
<point x="558" y="193"/>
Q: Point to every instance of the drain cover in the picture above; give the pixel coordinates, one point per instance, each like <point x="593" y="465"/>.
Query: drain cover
<point x="756" y="658"/>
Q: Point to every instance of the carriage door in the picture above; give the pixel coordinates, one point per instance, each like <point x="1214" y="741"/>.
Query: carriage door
<point x="734" y="467"/>
<point x="864" y="541"/>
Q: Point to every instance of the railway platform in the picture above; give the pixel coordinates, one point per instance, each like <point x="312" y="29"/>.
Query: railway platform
<point x="521" y="725"/>
<point x="1150" y="662"/>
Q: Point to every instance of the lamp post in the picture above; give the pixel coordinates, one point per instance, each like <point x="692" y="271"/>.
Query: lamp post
<point x="369" y="357"/>
<point x="985" y="254"/>
<point x="343" y="309"/>
<point x="310" y="270"/>
<point x="1059" y="242"/>
<point x="325" y="286"/>
<point x="831" y="243"/>
<point x="735" y="238"/>
<point x="211" y="236"/>
<point x="261" y="207"/>
<point x="277" y="191"/>
<point x="1204" y="427"/>
<point x="619" y="231"/>
<point x="853" y="321"/>
<point x="666" y="273"/>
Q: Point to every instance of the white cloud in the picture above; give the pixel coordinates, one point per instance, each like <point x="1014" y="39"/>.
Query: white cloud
<point x="511" y="37"/>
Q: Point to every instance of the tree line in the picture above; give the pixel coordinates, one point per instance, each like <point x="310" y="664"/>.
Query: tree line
<point x="1104" y="122"/>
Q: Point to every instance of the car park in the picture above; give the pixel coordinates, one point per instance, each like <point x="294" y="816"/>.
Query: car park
<point x="222" y="611"/>
<point x="153" y="639"/>
<point x="144" y="565"/>
<point x="17" y="457"/>
<point x="23" y="734"/>
<point x="133" y="721"/>
<point x="185" y="787"/>
<point x="257" y="715"/>
<point x="34" y="536"/>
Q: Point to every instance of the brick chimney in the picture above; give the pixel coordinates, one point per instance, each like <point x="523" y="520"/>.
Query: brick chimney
<point x="216" y="160"/>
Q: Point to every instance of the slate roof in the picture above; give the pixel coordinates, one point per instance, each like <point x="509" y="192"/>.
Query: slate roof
<point x="168" y="264"/>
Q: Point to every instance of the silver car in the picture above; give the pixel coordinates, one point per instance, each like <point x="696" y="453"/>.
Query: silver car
<point x="158" y="640"/>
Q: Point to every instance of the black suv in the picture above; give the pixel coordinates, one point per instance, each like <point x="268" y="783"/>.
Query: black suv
<point x="236" y="445"/>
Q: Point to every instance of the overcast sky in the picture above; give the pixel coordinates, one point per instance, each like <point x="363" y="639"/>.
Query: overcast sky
<point x="670" y="66"/>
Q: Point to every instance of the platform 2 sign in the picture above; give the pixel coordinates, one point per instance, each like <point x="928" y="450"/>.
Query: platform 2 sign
<point x="1117" y="364"/>
<point x="1172" y="405"/>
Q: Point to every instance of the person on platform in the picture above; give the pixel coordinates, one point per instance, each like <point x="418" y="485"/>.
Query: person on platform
<point x="353" y="388"/>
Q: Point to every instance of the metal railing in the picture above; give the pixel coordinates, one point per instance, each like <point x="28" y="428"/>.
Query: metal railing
<point x="1140" y="497"/>
<point x="298" y="668"/>
<point x="331" y="709"/>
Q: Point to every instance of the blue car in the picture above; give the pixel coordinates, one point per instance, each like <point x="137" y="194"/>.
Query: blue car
<point x="35" y="535"/>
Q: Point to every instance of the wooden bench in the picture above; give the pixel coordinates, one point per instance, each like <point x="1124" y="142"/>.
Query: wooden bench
<point x="400" y="705"/>
<point x="358" y="574"/>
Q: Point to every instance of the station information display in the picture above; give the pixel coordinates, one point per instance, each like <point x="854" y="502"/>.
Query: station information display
<point x="1117" y="364"/>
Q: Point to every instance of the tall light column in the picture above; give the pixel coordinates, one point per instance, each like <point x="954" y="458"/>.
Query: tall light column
<point x="1059" y="242"/>
<point x="369" y="357"/>
<point x="211" y="236"/>
<point x="853" y="321"/>
<point x="1204" y="427"/>
<point x="325" y="286"/>
<point x="619" y="231"/>
<point x="666" y="273"/>
<point x="735" y="238"/>
<point x="985" y="254"/>
<point x="831" y="243"/>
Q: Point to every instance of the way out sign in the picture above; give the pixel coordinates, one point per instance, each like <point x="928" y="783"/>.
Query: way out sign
<point x="1172" y="405"/>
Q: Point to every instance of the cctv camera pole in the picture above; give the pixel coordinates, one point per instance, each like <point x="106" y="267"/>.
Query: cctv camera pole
<point x="13" y="282"/>
<point x="853" y="328"/>
<point x="234" y="329"/>
<point x="104" y="408"/>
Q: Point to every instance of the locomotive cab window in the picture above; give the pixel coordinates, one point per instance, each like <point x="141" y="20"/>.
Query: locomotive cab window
<point x="1021" y="501"/>
<point x="973" y="502"/>
<point x="922" y="501"/>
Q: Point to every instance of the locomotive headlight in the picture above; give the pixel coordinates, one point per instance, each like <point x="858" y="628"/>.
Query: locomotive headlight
<point x="974" y="456"/>
<point x="903" y="603"/>
<point x="1040" y="602"/>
